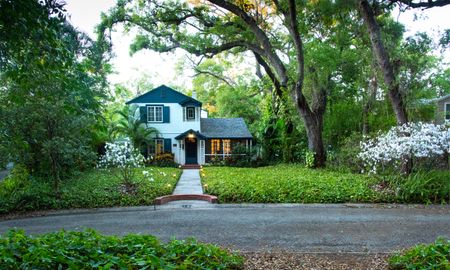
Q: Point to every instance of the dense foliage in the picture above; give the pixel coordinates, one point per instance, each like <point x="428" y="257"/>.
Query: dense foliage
<point x="288" y="184"/>
<point x="91" y="250"/>
<point x="90" y="189"/>
<point x="433" y="256"/>
<point x="53" y="83"/>
<point x="297" y="184"/>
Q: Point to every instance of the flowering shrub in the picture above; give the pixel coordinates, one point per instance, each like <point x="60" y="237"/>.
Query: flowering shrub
<point x="411" y="140"/>
<point x="124" y="157"/>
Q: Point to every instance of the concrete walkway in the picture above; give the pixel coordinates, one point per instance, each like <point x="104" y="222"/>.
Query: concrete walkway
<point x="189" y="183"/>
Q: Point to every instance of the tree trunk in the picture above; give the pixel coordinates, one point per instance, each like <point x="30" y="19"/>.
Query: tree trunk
<point x="384" y="62"/>
<point x="313" y="121"/>
<point x="314" y="128"/>
<point x="371" y="95"/>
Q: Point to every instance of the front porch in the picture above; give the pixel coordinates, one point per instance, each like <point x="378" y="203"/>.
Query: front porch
<point x="196" y="149"/>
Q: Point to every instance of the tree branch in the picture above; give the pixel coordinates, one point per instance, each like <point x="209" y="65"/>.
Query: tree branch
<point x="262" y="38"/>
<point x="425" y="5"/>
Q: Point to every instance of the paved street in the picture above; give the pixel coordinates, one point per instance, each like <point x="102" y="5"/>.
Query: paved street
<point x="303" y="228"/>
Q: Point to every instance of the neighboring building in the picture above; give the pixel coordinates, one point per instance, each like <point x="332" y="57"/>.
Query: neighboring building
<point x="183" y="130"/>
<point x="443" y="109"/>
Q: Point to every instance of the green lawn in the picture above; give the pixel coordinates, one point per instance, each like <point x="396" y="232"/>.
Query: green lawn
<point x="91" y="189"/>
<point x="288" y="184"/>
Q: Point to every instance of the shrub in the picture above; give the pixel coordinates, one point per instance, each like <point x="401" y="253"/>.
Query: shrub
<point x="91" y="250"/>
<point x="411" y="140"/>
<point x="165" y="160"/>
<point x="18" y="179"/>
<point x="425" y="187"/>
<point x="241" y="156"/>
<point x="433" y="256"/>
<point x="124" y="157"/>
<point x="346" y="157"/>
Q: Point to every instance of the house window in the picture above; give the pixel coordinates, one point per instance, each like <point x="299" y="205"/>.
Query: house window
<point x="154" y="114"/>
<point x="226" y="147"/>
<point x="190" y="112"/>
<point x="156" y="147"/>
<point x="215" y="146"/>
<point x="447" y="111"/>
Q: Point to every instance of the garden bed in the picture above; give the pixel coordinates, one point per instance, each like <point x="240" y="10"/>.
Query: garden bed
<point x="92" y="189"/>
<point x="290" y="184"/>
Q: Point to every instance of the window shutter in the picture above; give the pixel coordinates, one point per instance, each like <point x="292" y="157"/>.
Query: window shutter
<point x="166" y="114"/>
<point x="184" y="114"/>
<point x="168" y="145"/>
<point x="143" y="114"/>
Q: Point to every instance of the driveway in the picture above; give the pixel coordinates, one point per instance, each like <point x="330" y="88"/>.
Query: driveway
<point x="299" y="228"/>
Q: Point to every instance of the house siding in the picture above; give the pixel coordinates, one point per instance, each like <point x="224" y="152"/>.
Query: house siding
<point x="175" y="127"/>
<point x="440" y="110"/>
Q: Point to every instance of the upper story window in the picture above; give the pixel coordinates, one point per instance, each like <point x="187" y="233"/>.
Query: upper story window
<point x="154" y="113"/>
<point x="190" y="113"/>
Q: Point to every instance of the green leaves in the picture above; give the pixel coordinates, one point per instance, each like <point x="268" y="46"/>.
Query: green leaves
<point x="91" y="189"/>
<point x="91" y="250"/>
<point x="287" y="184"/>
<point x="435" y="256"/>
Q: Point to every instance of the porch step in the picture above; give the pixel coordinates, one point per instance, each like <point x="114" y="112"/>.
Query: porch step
<point x="191" y="166"/>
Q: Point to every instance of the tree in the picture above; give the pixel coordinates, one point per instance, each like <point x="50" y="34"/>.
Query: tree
<point x="53" y="81"/>
<point x="384" y="61"/>
<point x="130" y="126"/>
<point x="211" y="27"/>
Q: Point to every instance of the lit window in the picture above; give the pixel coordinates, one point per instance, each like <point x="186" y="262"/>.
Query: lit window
<point x="190" y="111"/>
<point x="154" y="114"/>
<point x="226" y="147"/>
<point x="215" y="146"/>
<point x="156" y="148"/>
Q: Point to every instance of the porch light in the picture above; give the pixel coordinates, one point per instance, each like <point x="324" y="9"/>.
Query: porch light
<point x="191" y="135"/>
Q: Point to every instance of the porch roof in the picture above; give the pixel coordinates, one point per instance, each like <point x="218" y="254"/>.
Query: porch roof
<point x="225" y="128"/>
<point x="189" y="132"/>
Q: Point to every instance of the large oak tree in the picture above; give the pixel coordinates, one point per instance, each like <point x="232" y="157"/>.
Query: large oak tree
<point x="268" y="29"/>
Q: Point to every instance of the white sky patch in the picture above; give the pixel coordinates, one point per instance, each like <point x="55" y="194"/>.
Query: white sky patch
<point x="85" y="15"/>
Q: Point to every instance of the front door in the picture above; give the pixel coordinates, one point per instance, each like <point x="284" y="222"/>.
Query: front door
<point x="191" y="150"/>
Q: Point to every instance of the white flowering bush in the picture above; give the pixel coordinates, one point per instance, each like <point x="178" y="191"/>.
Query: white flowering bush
<point x="124" y="157"/>
<point x="411" y="140"/>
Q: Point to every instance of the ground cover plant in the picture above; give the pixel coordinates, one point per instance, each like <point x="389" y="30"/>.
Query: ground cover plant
<point x="432" y="256"/>
<point x="90" y="189"/>
<point x="91" y="250"/>
<point x="289" y="184"/>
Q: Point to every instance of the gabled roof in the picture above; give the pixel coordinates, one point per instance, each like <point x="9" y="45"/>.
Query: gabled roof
<point x="191" y="131"/>
<point x="428" y="101"/>
<point x="226" y="128"/>
<point x="165" y="94"/>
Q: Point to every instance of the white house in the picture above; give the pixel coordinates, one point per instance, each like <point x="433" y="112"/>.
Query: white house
<point x="184" y="129"/>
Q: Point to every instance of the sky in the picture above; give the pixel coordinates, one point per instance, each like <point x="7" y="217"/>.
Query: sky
<point x="160" y="68"/>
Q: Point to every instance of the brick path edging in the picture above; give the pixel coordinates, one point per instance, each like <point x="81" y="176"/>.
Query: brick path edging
<point x="180" y="197"/>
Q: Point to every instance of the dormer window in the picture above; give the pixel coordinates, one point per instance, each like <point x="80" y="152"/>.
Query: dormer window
<point x="154" y="113"/>
<point x="190" y="112"/>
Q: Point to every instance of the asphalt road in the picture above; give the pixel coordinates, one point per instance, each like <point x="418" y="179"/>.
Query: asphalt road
<point x="300" y="228"/>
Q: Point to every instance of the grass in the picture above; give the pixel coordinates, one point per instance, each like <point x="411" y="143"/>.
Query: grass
<point x="91" y="250"/>
<point x="289" y="184"/>
<point x="90" y="189"/>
